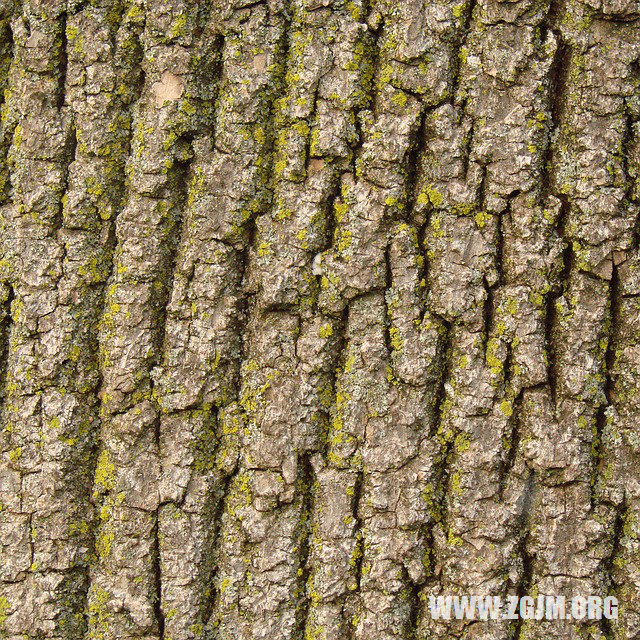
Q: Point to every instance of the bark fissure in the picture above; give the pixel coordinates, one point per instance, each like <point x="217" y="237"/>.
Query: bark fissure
<point x="305" y="481"/>
<point x="557" y="290"/>
<point x="609" y="358"/>
<point x="527" y="573"/>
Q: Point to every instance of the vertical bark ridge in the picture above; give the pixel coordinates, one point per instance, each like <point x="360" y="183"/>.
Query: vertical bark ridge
<point x="394" y="108"/>
<point x="227" y="611"/>
<point x="193" y="414"/>
<point x="91" y="204"/>
<point x="616" y="475"/>
<point x="127" y="474"/>
<point x="46" y="568"/>
<point x="583" y="382"/>
<point x="189" y="383"/>
<point x="474" y="190"/>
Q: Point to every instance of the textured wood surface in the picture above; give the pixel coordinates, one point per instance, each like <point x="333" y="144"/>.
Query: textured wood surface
<point x="310" y="309"/>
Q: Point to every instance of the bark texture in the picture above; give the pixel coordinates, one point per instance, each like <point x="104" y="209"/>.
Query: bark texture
<point x="310" y="309"/>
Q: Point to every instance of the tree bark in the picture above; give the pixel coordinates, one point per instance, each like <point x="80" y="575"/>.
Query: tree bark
<point x="313" y="309"/>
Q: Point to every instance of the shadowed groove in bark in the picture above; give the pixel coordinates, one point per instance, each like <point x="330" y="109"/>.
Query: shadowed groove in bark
<point x="203" y="11"/>
<point x="6" y="300"/>
<point x="213" y="544"/>
<point x="456" y="66"/>
<point x="551" y="300"/>
<point x="330" y="220"/>
<point x="607" y="565"/>
<point x="156" y="596"/>
<point x="305" y="484"/>
<point x="436" y="498"/>
<point x="6" y="290"/>
<point x="489" y="310"/>
<point x="355" y="508"/>
<point x="612" y="324"/>
<point x="341" y="326"/>
<point x="446" y="354"/>
<point x="6" y="61"/>
<point x="488" y="314"/>
<point x="356" y="499"/>
<point x="525" y="585"/>
<point x="557" y="99"/>
<point x="630" y="176"/>
<point x="412" y="169"/>
<point x="424" y="273"/>
<point x="210" y="613"/>
<point x="57" y="222"/>
<point x="209" y="610"/>
<point x="558" y="77"/>
<point x="558" y="103"/>
<point x="157" y="571"/>
<point x="513" y="440"/>
<point x="64" y="61"/>
<point x="413" y="164"/>
<point x="179" y="180"/>
<point x="388" y="319"/>
<point x="310" y="120"/>
<point x="415" y="601"/>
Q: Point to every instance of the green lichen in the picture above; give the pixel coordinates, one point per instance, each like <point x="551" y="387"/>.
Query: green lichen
<point x="395" y="338"/>
<point x="344" y="240"/>
<point x="462" y="442"/>
<point x="495" y="364"/>
<point x="105" y="472"/>
<point x="481" y="218"/>
<point x="179" y="27"/>
<point x="326" y="331"/>
<point x="454" y="540"/>
<point x="4" y="612"/>
<point x="507" y="408"/>
<point x="399" y="98"/>
<point x="435" y="197"/>
<point x="456" y="487"/>
<point x="98" y="613"/>
<point x="458" y="10"/>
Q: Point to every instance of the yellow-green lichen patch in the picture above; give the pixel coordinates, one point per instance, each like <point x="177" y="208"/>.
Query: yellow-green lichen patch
<point x="4" y="612"/>
<point x="98" y="613"/>
<point x="507" y="408"/>
<point x="105" y="472"/>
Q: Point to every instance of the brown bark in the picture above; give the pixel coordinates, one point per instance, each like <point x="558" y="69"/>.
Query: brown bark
<point x="311" y="309"/>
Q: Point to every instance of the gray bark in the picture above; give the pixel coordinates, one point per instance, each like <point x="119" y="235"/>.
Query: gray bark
<point x="311" y="309"/>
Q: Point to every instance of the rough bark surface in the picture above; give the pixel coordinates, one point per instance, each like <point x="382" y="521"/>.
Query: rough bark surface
<point x="311" y="309"/>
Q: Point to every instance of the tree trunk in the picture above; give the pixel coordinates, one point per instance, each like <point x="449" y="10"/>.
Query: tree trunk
<point x="313" y="309"/>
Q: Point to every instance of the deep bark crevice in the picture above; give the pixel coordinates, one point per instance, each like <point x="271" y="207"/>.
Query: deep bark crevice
<point x="305" y="484"/>
<point x="608" y="364"/>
